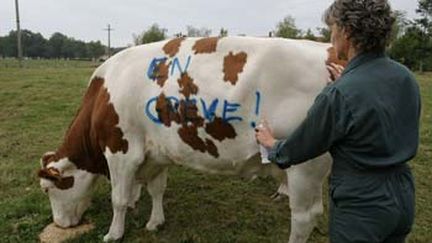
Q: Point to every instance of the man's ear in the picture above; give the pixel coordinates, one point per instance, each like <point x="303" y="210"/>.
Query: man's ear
<point x="51" y="174"/>
<point x="346" y="33"/>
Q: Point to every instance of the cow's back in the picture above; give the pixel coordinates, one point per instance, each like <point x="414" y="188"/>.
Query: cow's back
<point x="196" y="101"/>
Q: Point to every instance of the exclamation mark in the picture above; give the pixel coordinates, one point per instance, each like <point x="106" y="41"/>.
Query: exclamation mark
<point x="257" y="107"/>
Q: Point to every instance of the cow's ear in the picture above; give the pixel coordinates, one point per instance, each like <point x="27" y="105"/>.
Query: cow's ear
<point x="50" y="174"/>
<point x="47" y="158"/>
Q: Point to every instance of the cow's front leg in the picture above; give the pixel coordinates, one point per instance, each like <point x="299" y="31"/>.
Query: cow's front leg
<point x="156" y="188"/>
<point x="122" y="172"/>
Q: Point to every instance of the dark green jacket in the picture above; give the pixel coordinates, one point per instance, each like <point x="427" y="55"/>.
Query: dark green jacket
<point x="369" y="118"/>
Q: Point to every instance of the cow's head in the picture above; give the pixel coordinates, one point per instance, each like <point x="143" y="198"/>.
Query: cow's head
<point x="68" y="188"/>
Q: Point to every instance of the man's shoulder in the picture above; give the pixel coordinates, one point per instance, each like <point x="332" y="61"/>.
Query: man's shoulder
<point x="372" y="72"/>
<point x="345" y="83"/>
<point x="401" y="68"/>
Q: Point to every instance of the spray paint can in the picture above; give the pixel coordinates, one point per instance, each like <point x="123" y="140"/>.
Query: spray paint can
<point x="263" y="151"/>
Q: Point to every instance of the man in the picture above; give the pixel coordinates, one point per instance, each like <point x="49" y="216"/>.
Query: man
<point x="368" y="119"/>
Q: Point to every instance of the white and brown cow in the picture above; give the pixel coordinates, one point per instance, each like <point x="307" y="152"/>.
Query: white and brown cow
<point x="193" y="102"/>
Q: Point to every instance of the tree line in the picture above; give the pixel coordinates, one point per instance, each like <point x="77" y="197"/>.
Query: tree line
<point x="411" y="43"/>
<point x="57" y="46"/>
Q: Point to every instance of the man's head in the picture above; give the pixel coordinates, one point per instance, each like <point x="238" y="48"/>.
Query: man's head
<point x="362" y="25"/>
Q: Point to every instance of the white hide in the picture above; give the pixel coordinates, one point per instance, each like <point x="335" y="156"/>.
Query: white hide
<point x="287" y="73"/>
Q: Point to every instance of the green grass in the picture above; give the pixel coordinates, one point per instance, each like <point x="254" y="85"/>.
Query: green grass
<point x="37" y="104"/>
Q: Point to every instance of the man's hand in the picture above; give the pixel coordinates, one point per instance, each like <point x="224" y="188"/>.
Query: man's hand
<point x="264" y="135"/>
<point x="335" y="71"/>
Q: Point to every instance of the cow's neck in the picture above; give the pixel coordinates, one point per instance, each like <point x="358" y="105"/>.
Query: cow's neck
<point x="80" y="144"/>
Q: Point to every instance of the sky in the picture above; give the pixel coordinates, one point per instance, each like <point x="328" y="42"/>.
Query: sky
<point x="87" y="19"/>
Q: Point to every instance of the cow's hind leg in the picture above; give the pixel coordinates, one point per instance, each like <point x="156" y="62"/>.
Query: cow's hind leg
<point x="305" y="183"/>
<point x="135" y="195"/>
<point x="156" y="188"/>
<point x="122" y="175"/>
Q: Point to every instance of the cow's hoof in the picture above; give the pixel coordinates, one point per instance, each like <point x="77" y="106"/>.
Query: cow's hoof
<point x="108" y="238"/>
<point x="276" y="197"/>
<point x="154" y="224"/>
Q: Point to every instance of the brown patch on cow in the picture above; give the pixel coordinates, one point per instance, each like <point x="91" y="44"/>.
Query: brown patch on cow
<point x="188" y="112"/>
<point x="187" y="87"/>
<point x="172" y="47"/>
<point x="182" y="113"/>
<point x="160" y="73"/>
<point x="93" y="129"/>
<point x="104" y="126"/>
<point x="333" y="58"/>
<point x="233" y="66"/>
<point x="65" y="183"/>
<point x="189" y="135"/>
<point x="166" y="111"/>
<point x="220" y="130"/>
<point x="211" y="148"/>
<point x="205" y="45"/>
<point x="186" y="115"/>
<point x="48" y="158"/>
<point x="54" y="175"/>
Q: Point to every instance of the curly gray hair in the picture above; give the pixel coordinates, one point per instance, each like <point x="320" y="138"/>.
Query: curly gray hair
<point x="368" y="22"/>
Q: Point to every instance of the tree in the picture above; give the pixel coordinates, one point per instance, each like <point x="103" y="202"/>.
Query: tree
<point x="325" y="34"/>
<point x="223" y="32"/>
<point x="57" y="46"/>
<point x="68" y="49"/>
<point x="287" y="28"/>
<point x="80" y="49"/>
<point x="2" y="44"/>
<point x="9" y="45"/>
<point x="425" y="23"/>
<point x="400" y="25"/>
<point x="95" y="49"/>
<point x="56" y="43"/>
<point x="402" y="48"/>
<point x="153" y="34"/>
<point x="34" y="44"/>
<point x="197" y="32"/>
<point x="309" y="35"/>
<point x="425" y="11"/>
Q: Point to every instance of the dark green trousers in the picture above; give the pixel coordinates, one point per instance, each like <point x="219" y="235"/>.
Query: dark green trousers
<point x="371" y="206"/>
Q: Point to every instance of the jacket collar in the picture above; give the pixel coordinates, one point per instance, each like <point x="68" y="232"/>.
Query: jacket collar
<point x="361" y="59"/>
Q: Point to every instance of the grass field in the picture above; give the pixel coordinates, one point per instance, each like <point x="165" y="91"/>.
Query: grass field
<point x="37" y="104"/>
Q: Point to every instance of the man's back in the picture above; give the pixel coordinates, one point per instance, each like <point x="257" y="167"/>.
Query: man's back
<point x="383" y="99"/>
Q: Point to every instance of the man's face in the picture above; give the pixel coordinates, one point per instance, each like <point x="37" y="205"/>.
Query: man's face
<point x="339" y="40"/>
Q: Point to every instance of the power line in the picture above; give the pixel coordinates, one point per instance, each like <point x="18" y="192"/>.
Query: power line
<point x="109" y="29"/>
<point x="18" y="34"/>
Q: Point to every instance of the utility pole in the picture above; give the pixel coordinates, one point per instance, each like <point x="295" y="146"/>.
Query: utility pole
<point x="18" y="34"/>
<point x="109" y="29"/>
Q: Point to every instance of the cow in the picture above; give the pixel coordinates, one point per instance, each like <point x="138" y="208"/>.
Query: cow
<point x="193" y="102"/>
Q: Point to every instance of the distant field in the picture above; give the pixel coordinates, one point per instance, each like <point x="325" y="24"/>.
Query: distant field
<point x="39" y="101"/>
